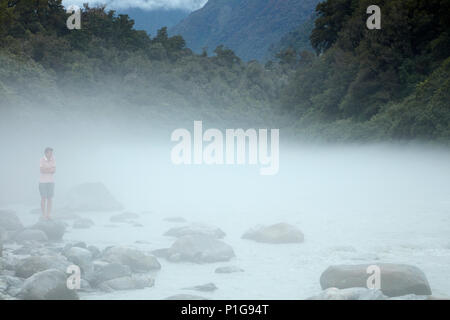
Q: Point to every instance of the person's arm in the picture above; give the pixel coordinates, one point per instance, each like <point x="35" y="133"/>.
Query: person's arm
<point x="48" y="169"/>
<point x="42" y="167"/>
<point x="52" y="168"/>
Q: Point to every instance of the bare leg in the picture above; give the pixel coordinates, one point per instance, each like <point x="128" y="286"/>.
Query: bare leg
<point x="43" y="207"/>
<point x="49" y="207"/>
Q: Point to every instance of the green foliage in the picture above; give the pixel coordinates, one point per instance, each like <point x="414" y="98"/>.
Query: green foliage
<point x="332" y="16"/>
<point x="108" y="53"/>
<point x="375" y="79"/>
<point x="364" y="84"/>
<point x="297" y="39"/>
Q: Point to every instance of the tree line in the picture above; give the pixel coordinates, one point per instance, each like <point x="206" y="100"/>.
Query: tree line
<point x="355" y="83"/>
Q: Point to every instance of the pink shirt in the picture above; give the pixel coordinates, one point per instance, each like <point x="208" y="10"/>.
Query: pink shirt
<point x="45" y="163"/>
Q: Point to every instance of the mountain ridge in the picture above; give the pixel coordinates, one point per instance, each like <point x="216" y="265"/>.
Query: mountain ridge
<point x="249" y="27"/>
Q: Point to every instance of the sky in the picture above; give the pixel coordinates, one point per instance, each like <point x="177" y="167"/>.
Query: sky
<point x="143" y="4"/>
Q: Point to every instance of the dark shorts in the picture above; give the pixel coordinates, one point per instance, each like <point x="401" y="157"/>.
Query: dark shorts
<point x="46" y="190"/>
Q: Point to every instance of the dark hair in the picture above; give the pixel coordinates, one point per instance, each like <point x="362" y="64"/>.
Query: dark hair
<point x="48" y="149"/>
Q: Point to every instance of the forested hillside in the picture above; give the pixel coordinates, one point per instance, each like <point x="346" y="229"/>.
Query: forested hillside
<point x="356" y="84"/>
<point x="388" y="83"/>
<point x="297" y="39"/>
<point x="43" y="61"/>
<point x="153" y="20"/>
<point x="248" y="27"/>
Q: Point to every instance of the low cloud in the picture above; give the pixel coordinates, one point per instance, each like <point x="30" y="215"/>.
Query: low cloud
<point x="143" y="4"/>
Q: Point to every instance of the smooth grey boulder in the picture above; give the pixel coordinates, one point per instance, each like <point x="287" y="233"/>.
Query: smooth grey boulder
<point x="85" y="286"/>
<point x="47" y="285"/>
<point x="9" y="221"/>
<point x="95" y="251"/>
<point x="396" y="279"/>
<point x="199" y="249"/>
<point x="278" y="234"/>
<point x="228" y="269"/>
<point x="196" y="229"/>
<point x="28" y="266"/>
<point x="128" y="283"/>
<point x="350" y="294"/>
<point x="92" y="197"/>
<point x="83" y="223"/>
<point x="81" y="257"/>
<point x="137" y="260"/>
<point x="104" y="271"/>
<point x="30" y="235"/>
<point x="54" y="229"/>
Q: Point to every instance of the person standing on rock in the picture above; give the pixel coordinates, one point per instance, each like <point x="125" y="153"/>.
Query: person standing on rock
<point x="47" y="182"/>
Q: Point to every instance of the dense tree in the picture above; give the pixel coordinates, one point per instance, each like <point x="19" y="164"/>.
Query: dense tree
<point x="332" y="15"/>
<point x="362" y="75"/>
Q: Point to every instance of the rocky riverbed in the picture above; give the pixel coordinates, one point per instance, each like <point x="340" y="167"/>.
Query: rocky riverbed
<point x="157" y="255"/>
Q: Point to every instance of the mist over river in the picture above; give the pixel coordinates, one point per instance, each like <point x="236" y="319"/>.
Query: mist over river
<point x="355" y="204"/>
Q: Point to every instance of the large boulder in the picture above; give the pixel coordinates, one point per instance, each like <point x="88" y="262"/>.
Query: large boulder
<point x="92" y="197"/>
<point x="9" y="221"/>
<point x="81" y="257"/>
<point x="47" y="285"/>
<point x="137" y="260"/>
<point x="228" y="269"/>
<point x="350" y="294"/>
<point x="128" y="283"/>
<point x="95" y="251"/>
<point x="28" y="266"/>
<point x="396" y="279"/>
<point x="54" y="229"/>
<point x="30" y="235"/>
<point x="199" y="249"/>
<point x="196" y="229"/>
<point x="277" y="233"/>
<point x="104" y="271"/>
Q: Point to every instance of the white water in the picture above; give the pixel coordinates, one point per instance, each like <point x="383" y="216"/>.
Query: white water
<point x="354" y="204"/>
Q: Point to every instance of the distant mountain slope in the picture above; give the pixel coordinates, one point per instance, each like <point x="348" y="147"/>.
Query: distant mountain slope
<point x="152" y="20"/>
<point x="297" y="39"/>
<point x="249" y="27"/>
